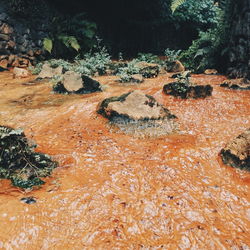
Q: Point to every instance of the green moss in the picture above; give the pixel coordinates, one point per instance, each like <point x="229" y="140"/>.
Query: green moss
<point x="19" y="162"/>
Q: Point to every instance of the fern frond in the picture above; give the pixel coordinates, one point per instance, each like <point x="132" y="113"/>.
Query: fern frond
<point x="176" y="3"/>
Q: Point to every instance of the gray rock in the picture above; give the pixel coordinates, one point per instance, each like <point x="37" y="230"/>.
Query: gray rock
<point x="75" y="83"/>
<point x="48" y="72"/>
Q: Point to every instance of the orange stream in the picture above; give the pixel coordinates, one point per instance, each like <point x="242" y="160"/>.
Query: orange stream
<point x="116" y="191"/>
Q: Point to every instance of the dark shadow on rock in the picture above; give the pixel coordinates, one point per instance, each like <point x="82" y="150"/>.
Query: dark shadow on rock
<point x="237" y="152"/>
<point x="184" y="91"/>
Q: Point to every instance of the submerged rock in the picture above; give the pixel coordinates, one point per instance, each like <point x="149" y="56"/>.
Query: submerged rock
<point x="237" y="152"/>
<point x="75" y="83"/>
<point x="137" y="111"/>
<point x="174" y="66"/>
<point x="240" y="83"/>
<point x="185" y="91"/>
<point x="19" y="162"/>
<point x="49" y="72"/>
<point x="148" y="70"/>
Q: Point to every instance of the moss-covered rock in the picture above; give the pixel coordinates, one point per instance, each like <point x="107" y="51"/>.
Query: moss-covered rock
<point x="19" y="162"/>
<point x="237" y="152"/>
<point x="148" y="70"/>
<point x="185" y="91"/>
<point x="138" y="114"/>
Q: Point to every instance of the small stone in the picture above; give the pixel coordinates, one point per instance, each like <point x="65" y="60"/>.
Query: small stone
<point x="48" y="72"/>
<point x="20" y="73"/>
<point x="4" y="37"/>
<point x="28" y="200"/>
<point x="211" y="72"/>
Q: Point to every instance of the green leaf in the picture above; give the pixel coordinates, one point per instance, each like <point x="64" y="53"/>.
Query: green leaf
<point x="69" y="42"/>
<point x="176" y="3"/>
<point x="48" y="44"/>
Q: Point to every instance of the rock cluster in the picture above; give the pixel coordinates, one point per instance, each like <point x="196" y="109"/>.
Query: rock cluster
<point x="185" y="91"/>
<point x="21" y="40"/>
<point x="237" y="152"/>
<point x="148" y="70"/>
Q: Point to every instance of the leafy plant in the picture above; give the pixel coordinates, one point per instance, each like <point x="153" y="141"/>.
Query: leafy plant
<point x="93" y="62"/>
<point x="147" y="57"/>
<point x="70" y="33"/>
<point x="172" y="55"/>
<point x="176" y="3"/>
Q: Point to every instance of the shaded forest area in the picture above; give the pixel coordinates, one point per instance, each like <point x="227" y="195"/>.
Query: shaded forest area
<point x="211" y="34"/>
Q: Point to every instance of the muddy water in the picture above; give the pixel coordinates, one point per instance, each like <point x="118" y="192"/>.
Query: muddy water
<point x="117" y="191"/>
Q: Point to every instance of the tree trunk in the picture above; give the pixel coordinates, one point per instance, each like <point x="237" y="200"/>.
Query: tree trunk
<point x="239" y="42"/>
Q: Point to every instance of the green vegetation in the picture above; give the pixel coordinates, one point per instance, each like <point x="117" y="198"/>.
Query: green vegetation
<point x="70" y="36"/>
<point x="18" y="161"/>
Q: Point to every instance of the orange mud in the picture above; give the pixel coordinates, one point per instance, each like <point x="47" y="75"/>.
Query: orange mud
<point x="116" y="191"/>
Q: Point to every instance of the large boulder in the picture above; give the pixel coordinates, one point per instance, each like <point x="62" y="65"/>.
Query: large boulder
<point x="240" y="83"/>
<point x="134" y="105"/>
<point x="185" y="91"/>
<point x="237" y="152"/>
<point x="138" y="114"/>
<point x="49" y="72"/>
<point x="75" y="83"/>
<point x="148" y="70"/>
<point x="174" y="66"/>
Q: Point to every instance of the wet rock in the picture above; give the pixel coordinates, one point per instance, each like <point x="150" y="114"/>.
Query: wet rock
<point x="75" y="83"/>
<point x="134" y="105"/>
<point x="210" y="72"/>
<point x="240" y="83"/>
<point x="48" y="72"/>
<point x="20" y="73"/>
<point x="148" y="70"/>
<point x="237" y="152"/>
<point x="28" y="200"/>
<point x="19" y="162"/>
<point x="185" y="91"/>
<point x="138" y="114"/>
<point x="174" y="66"/>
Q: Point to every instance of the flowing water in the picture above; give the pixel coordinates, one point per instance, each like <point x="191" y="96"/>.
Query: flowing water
<point x="118" y="191"/>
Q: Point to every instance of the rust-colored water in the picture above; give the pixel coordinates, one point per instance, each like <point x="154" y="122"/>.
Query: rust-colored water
<point x="116" y="191"/>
